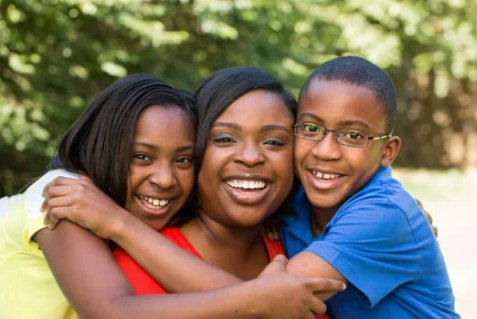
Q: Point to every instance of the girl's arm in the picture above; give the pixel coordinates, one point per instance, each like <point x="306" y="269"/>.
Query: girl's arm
<point x="83" y="203"/>
<point x="95" y="286"/>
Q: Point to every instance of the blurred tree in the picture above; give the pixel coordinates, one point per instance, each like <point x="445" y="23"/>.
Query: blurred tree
<point x="56" y="55"/>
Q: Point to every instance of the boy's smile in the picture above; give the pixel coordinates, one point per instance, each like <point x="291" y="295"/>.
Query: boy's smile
<point x="329" y="171"/>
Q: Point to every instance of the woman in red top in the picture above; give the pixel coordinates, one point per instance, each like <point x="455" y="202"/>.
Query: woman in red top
<point x="244" y="152"/>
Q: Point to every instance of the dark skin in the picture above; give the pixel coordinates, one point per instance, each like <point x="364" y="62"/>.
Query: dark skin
<point x="234" y="238"/>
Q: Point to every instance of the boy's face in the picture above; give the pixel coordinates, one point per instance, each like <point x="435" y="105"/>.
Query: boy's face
<point x="331" y="172"/>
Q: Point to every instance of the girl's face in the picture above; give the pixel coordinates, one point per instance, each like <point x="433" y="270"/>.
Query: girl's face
<point x="162" y="171"/>
<point x="247" y="170"/>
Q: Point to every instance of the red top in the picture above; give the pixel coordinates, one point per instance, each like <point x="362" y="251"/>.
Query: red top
<point x="144" y="284"/>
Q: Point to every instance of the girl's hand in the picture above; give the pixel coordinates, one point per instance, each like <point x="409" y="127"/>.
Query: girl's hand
<point x="80" y="201"/>
<point x="289" y="296"/>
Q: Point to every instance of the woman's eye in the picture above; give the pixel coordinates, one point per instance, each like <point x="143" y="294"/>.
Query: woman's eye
<point x="354" y="135"/>
<point x="274" y="142"/>
<point x="223" y="140"/>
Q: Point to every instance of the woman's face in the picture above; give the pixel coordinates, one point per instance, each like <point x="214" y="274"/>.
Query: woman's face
<point x="247" y="169"/>
<point x="162" y="171"/>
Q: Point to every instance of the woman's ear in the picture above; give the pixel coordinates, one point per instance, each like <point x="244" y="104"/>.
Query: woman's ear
<point x="391" y="150"/>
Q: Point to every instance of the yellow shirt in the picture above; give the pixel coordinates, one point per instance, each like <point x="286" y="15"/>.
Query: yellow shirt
<point x="28" y="288"/>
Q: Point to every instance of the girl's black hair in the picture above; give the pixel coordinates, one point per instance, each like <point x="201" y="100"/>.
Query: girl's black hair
<point x="99" y="144"/>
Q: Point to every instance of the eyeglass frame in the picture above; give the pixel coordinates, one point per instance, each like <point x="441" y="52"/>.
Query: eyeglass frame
<point x="337" y="135"/>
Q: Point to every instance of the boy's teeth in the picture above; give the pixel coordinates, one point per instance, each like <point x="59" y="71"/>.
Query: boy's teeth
<point x="246" y="184"/>
<point x="326" y="175"/>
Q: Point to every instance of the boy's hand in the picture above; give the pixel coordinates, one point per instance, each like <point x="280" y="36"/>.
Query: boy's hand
<point x="288" y="296"/>
<point x="435" y="230"/>
<point x="80" y="201"/>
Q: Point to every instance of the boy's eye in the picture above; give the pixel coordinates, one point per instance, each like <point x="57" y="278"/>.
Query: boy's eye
<point x="353" y="135"/>
<point x="310" y="128"/>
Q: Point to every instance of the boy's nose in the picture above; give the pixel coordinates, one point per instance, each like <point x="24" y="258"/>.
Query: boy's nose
<point x="328" y="148"/>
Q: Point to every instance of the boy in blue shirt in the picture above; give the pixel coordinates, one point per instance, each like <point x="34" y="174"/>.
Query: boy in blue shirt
<point x="355" y="222"/>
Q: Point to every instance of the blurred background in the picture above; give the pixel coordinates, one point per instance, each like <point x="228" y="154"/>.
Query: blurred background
<point x="56" y="55"/>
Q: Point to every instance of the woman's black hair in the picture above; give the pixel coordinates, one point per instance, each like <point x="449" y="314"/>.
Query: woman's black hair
<point x="216" y="94"/>
<point x="224" y="87"/>
<point x="99" y="144"/>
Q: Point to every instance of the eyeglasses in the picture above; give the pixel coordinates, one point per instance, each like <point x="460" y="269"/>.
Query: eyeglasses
<point x="347" y="137"/>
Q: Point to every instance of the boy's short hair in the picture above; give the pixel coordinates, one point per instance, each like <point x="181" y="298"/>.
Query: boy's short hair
<point x="360" y="72"/>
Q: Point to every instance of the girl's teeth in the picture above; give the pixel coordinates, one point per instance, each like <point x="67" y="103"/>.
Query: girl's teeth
<point x="155" y="201"/>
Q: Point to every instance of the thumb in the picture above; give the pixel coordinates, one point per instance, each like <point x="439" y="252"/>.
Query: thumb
<point x="277" y="264"/>
<point x="84" y="177"/>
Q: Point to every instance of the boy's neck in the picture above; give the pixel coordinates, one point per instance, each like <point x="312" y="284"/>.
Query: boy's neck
<point x="320" y="217"/>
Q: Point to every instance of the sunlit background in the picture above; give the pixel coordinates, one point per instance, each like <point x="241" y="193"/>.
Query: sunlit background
<point x="56" y="55"/>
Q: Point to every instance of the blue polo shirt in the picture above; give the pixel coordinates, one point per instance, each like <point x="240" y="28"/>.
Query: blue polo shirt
<point x="381" y="242"/>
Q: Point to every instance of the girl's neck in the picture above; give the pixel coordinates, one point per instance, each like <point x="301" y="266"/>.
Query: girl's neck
<point x="239" y="250"/>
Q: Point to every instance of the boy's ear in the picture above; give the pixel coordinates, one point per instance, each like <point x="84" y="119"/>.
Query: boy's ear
<point x="390" y="150"/>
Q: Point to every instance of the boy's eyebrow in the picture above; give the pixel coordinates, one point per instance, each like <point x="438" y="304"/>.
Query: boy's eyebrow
<point x="316" y="118"/>
<point x="342" y="123"/>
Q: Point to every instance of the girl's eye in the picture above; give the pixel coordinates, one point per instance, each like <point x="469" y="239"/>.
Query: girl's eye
<point x="354" y="135"/>
<point x="141" y="157"/>
<point x="185" y="161"/>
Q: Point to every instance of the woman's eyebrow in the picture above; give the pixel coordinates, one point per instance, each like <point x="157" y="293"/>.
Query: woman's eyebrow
<point x="227" y="124"/>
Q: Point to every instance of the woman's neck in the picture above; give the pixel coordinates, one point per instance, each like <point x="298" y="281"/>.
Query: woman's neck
<point x="238" y="250"/>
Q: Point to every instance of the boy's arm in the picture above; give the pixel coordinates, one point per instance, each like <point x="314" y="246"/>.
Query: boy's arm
<point x="308" y="264"/>
<point x="93" y="283"/>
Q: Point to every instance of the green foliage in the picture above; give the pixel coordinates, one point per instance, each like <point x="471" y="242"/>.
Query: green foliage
<point x="56" y="55"/>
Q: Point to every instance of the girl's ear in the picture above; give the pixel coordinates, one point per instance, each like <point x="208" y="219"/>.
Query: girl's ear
<point x="391" y="150"/>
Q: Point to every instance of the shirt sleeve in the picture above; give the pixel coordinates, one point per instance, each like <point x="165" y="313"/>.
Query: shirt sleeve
<point x="372" y="245"/>
<point x="34" y="201"/>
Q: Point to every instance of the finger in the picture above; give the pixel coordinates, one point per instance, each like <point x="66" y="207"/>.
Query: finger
<point x="59" y="181"/>
<point x="53" y="222"/>
<point x="320" y="285"/>
<point x="58" y="190"/>
<point x="428" y="216"/>
<point x="309" y="315"/>
<point x="85" y="178"/>
<point x="419" y="203"/>
<point x="317" y="306"/>
<point x="277" y="264"/>
<point x="54" y="216"/>
<point x="435" y="230"/>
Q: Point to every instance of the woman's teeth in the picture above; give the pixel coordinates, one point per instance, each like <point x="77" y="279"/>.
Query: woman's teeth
<point x="246" y="184"/>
